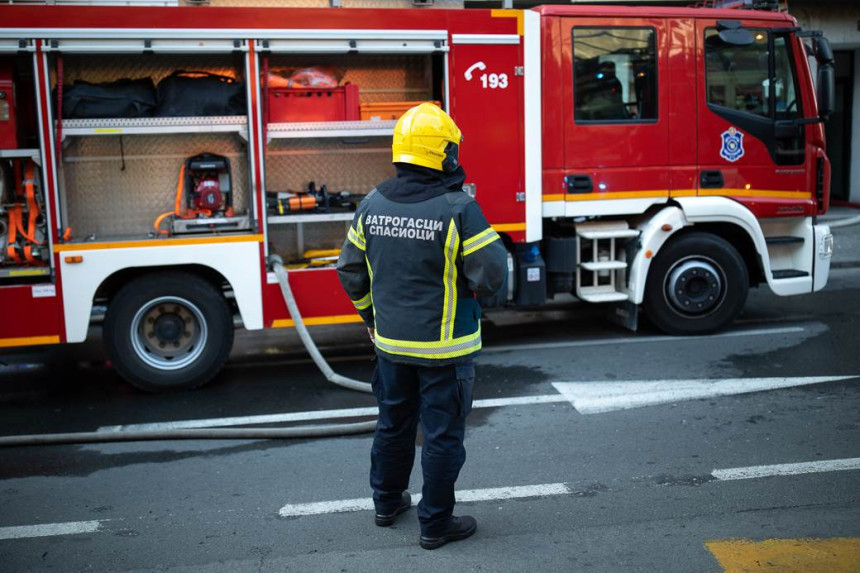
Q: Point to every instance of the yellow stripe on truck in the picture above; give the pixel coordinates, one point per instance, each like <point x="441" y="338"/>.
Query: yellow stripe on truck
<point x="28" y="341"/>
<point x="158" y="243"/>
<point x="318" y="320"/>
<point x="604" y="196"/>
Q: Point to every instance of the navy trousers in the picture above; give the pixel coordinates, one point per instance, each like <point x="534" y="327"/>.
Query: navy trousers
<point x="442" y="398"/>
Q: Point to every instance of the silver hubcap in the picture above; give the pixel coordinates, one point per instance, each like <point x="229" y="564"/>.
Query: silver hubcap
<point x="695" y="286"/>
<point x="168" y="333"/>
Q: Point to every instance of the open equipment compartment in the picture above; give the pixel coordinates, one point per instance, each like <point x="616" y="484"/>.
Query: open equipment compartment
<point x="345" y="156"/>
<point x="118" y="175"/>
<point x="24" y="242"/>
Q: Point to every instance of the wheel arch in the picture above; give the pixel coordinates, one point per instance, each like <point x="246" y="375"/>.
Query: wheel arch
<point x="720" y="216"/>
<point x="114" y="282"/>
<point x="229" y="267"/>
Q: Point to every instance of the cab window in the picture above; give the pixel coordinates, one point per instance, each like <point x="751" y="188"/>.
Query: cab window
<point x="787" y="104"/>
<point x="738" y="76"/>
<point x="614" y="75"/>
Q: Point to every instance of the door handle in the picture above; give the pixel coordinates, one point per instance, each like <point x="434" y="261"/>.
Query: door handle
<point x="712" y="179"/>
<point x="579" y="184"/>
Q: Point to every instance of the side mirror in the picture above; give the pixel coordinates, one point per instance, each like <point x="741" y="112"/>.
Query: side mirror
<point x="732" y="33"/>
<point x="823" y="51"/>
<point x="826" y="90"/>
<point x="826" y="84"/>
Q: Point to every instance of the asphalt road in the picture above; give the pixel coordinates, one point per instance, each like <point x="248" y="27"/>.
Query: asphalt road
<point x="605" y="486"/>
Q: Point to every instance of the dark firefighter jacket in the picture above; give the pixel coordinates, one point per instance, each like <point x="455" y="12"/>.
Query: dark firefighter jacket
<point x="417" y="252"/>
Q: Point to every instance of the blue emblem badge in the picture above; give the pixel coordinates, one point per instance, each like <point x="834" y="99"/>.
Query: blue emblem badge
<point x="733" y="145"/>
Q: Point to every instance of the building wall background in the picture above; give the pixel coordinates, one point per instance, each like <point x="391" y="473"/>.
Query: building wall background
<point x="839" y="20"/>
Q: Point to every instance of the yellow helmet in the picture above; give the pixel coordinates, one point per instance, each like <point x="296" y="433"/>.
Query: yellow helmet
<point x="427" y="136"/>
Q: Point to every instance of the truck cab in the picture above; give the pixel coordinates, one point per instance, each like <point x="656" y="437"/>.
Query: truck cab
<point x="711" y="111"/>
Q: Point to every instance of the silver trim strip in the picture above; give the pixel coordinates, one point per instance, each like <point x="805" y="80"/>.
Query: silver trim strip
<point x="533" y="118"/>
<point x="43" y="164"/>
<point x="252" y="133"/>
<point x="485" y="39"/>
<point x="12" y="47"/>
<point x="226" y="33"/>
<point x="58" y="184"/>
<point x="258" y="136"/>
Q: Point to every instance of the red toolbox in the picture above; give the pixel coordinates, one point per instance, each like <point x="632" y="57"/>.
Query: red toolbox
<point x="314" y="104"/>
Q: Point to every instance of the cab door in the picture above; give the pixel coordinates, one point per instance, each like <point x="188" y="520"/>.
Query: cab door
<point x="751" y="146"/>
<point x="616" y="116"/>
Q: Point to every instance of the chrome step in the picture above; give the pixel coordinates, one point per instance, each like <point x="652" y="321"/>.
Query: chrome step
<point x="605" y="230"/>
<point x="784" y="240"/>
<point x="601" y="259"/>
<point x="603" y="293"/>
<point x="789" y="274"/>
<point x="603" y="265"/>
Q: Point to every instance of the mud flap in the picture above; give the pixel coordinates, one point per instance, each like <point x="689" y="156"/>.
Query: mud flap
<point x="625" y="314"/>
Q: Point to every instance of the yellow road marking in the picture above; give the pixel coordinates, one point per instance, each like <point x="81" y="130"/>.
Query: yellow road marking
<point x="802" y="555"/>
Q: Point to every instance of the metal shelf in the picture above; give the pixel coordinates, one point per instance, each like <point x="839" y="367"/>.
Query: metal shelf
<point x="33" y="154"/>
<point x="24" y="272"/>
<point x="156" y="126"/>
<point x="333" y="129"/>
<point x="310" y="218"/>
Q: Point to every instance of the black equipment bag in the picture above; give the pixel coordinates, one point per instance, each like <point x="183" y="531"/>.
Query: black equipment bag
<point x="122" y="98"/>
<point x="192" y="93"/>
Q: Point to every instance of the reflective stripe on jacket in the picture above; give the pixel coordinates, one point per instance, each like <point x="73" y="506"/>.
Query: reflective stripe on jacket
<point x="412" y="270"/>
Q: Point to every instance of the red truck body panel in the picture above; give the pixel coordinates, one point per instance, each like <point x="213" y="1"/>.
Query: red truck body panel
<point x="659" y="159"/>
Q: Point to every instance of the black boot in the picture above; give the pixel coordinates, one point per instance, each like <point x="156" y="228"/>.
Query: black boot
<point x="386" y="520"/>
<point x="458" y="528"/>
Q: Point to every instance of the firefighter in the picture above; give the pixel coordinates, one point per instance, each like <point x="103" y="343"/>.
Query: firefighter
<point x="417" y="253"/>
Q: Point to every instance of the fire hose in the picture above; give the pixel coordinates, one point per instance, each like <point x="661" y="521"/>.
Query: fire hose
<point x="318" y="431"/>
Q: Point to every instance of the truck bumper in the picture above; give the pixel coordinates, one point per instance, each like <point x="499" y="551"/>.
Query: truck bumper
<point x="823" y="255"/>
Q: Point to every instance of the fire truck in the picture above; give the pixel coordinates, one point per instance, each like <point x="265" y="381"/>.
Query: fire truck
<point x="159" y="161"/>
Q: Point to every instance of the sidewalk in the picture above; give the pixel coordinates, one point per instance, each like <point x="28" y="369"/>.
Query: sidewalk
<point x="846" y="243"/>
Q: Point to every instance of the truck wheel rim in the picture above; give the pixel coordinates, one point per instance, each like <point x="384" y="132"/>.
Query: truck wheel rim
<point x="169" y="333"/>
<point x="695" y="286"/>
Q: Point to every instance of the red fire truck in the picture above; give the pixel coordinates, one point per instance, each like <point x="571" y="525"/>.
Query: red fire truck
<point x="156" y="160"/>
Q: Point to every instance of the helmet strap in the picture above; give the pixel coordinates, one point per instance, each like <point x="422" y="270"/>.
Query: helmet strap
<point x="451" y="161"/>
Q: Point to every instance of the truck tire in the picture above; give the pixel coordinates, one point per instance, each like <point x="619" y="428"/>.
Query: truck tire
<point x="698" y="283"/>
<point x="168" y="331"/>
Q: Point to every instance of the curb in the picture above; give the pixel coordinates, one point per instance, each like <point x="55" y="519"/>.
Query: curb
<point x="845" y="265"/>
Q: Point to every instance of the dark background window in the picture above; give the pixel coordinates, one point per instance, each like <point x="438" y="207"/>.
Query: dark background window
<point x="614" y="74"/>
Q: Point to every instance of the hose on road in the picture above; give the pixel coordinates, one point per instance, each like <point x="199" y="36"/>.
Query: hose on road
<point x="312" y="349"/>
<point x="319" y="431"/>
<point x="328" y="430"/>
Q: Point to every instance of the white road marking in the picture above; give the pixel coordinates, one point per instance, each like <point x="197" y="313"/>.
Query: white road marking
<point x="598" y="397"/>
<point x="315" y="415"/>
<point x="643" y="339"/>
<point x="49" y="529"/>
<point x="586" y="397"/>
<point x="366" y="503"/>
<point x="787" y="469"/>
